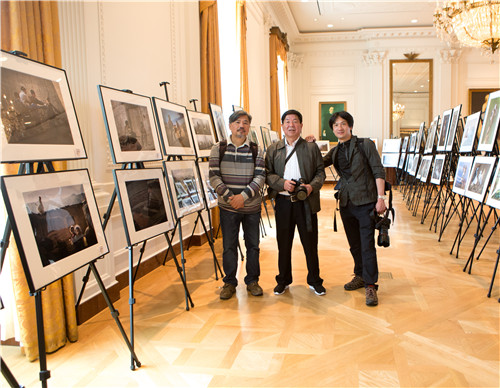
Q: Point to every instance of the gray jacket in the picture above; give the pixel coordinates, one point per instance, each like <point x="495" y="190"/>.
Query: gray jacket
<point x="311" y="168"/>
<point x="361" y="188"/>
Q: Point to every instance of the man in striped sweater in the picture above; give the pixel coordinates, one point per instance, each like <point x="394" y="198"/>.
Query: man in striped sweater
<point x="237" y="174"/>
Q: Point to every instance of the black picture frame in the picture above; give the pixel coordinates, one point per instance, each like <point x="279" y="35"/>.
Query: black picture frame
<point x="38" y="117"/>
<point x="56" y="223"/>
<point x="218" y="122"/>
<point x="202" y="132"/>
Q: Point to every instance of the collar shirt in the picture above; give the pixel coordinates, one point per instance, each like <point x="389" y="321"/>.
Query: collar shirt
<point x="292" y="170"/>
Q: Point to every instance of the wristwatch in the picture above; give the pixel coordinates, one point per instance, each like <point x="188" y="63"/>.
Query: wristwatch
<point x="382" y="197"/>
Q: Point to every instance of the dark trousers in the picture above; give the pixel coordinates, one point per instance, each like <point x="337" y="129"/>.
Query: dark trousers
<point x="230" y="225"/>
<point x="288" y="215"/>
<point x="359" y="226"/>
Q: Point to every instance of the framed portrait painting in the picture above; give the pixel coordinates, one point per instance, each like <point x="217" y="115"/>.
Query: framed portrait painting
<point x="462" y="174"/>
<point x="38" y="118"/>
<point x="470" y="130"/>
<point x="174" y="128"/>
<point x="210" y="194"/>
<point x="144" y="204"/>
<point x="478" y="98"/>
<point x="218" y="120"/>
<point x="323" y="145"/>
<point x="479" y="177"/>
<point x="202" y="132"/>
<point x="326" y="110"/>
<point x="130" y="125"/>
<point x="490" y="123"/>
<point x="56" y="223"/>
<point x="184" y="187"/>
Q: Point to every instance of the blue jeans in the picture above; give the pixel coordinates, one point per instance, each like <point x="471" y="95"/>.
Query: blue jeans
<point x="230" y="225"/>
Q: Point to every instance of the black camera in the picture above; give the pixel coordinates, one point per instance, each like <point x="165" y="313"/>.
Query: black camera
<point x="383" y="224"/>
<point x="299" y="193"/>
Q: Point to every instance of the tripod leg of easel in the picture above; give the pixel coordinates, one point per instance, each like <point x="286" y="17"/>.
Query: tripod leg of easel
<point x="170" y="247"/>
<point x="477" y="237"/>
<point x="9" y="377"/>
<point x="42" y="355"/>
<point x="212" y="247"/>
<point x="494" y="274"/>
<point x="265" y="208"/>
<point x="114" y="313"/>
<point x="194" y="228"/>
<point x="131" y="299"/>
<point x="143" y="248"/>
<point x="183" y="262"/>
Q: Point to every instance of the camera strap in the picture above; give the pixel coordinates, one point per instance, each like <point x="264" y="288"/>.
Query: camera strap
<point x="290" y="155"/>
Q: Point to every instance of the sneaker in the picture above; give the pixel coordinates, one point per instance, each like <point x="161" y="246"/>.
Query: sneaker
<point x="371" y="296"/>
<point x="280" y="289"/>
<point x="228" y="291"/>
<point x="355" y="283"/>
<point x="254" y="289"/>
<point x="318" y="290"/>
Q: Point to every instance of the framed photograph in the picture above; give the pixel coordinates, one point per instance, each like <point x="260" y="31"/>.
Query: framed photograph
<point x="326" y="110"/>
<point x="413" y="142"/>
<point x="493" y="199"/>
<point x="490" y="123"/>
<point x="462" y="174"/>
<point x="425" y="167"/>
<point x="420" y="136"/>
<point x="453" y="128"/>
<point x="274" y="137"/>
<point x="445" y="124"/>
<point x="252" y="135"/>
<point x="323" y="145"/>
<point x="236" y="108"/>
<point x="390" y="159"/>
<point x="391" y="145"/>
<point x="202" y="132"/>
<point x="182" y="176"/>
<point x="470" y="130"/>
<point x="414" y="164"/>
<point x="437" y="169"/>
<point x="143" y="199"/>
<point x="479" y="177"/>
<point x="402" y="160"/>
<point x="266" y="137"/>
<point x="218" y="120"/>
<point x="130" y="126"/>
<point x="56" y="223"/>
<point x="175" y="134"/>
<point x="431" y="135"/>
<point x="478" y="98"/>
<point x="404" y="148"/>
<point x="38" y="118"/>
<point x="210" y="194"/>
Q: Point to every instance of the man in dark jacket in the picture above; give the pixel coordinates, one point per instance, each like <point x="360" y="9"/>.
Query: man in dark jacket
<point x="289" y="161"/>
<point x="361" y="192"/>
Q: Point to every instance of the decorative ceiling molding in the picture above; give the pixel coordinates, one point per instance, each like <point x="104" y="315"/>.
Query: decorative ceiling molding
<point x="282" y="17"/>
<point x="295" y="60"/>
<point x="450" y="55"/>
<point x="367" y="34"/>
<point x="374" y="57"/>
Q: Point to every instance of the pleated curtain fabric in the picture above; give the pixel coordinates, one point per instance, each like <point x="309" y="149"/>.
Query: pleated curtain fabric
<point x="33" y="28"/>
<point x="277" y="48"/>
<point x="241" y="9"/>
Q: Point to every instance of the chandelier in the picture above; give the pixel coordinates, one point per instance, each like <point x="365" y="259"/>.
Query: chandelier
<point x="398" y="111"/>
<point x="474" y="23"/>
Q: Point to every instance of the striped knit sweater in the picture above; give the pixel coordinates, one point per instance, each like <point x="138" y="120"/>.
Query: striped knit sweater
<point x="236" y="174"/>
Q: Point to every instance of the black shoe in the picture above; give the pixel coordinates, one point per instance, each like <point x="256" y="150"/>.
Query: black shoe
<point x="254" y="289"/>
<point x="318" y="290"/>
<point x="280" y="289"/>
<point x="228" y="290"/>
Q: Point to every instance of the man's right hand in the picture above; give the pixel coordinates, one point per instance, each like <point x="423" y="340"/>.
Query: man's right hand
<point x="310" y="138"/>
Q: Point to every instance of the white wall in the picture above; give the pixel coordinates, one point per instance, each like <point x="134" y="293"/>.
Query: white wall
<point x="125" y="45"/>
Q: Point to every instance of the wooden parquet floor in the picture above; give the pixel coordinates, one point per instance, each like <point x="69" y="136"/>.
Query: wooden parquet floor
<point x="434" y="325"/>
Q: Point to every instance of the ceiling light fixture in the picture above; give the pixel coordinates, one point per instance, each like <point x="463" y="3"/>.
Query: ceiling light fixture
<point x="330" y="25"/>
<point x="398" y="111"/>
<point x="474" y="23"/>
<point x="414" y="21"/>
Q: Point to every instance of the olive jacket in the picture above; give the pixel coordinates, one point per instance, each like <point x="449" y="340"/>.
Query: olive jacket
<point x="311" y="167"/>
<point x="360" y="188"/>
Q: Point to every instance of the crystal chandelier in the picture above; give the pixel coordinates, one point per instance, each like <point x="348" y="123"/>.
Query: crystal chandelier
<point x="474" y="23"/>
<point x="398" y="111"/>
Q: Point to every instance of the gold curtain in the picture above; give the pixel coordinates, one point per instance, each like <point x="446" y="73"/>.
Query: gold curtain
<point x="33" y="28"/>
<point x="241" y="17"/>
<point x="278" y="47"/>
<point x="209" y="55"/>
